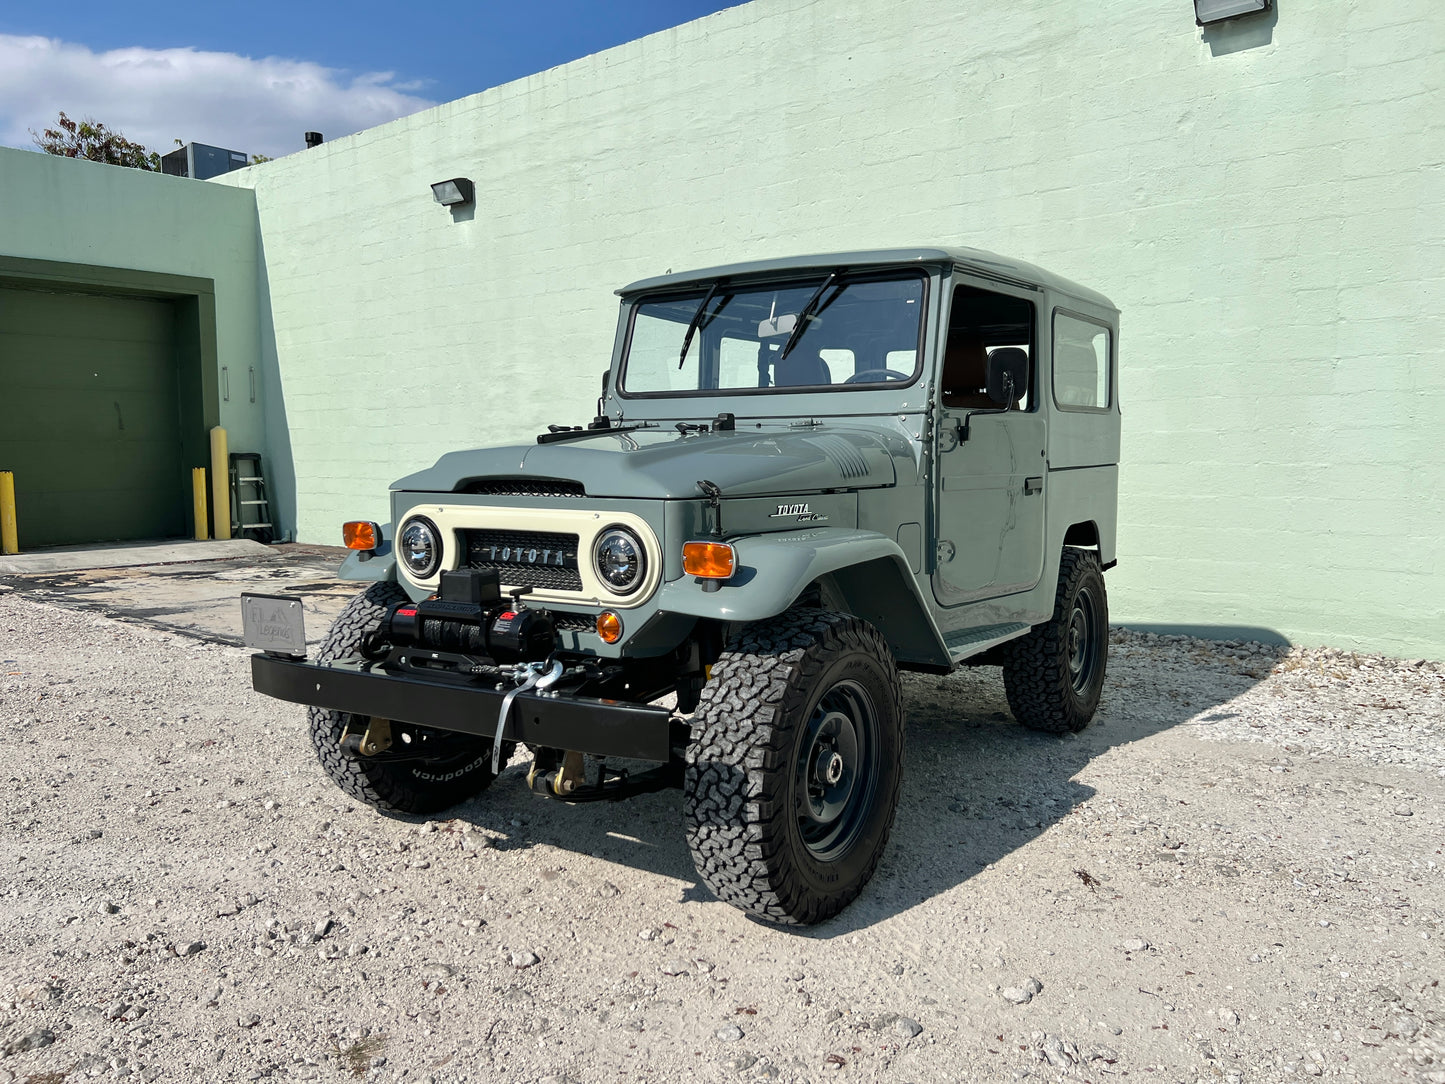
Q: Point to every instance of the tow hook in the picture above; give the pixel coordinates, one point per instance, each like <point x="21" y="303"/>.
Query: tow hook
<point x="539" y="675"/>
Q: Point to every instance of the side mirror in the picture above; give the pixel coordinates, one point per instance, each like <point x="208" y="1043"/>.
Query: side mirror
<point x="1008" y="375"/>
<point x="602" y="421"/>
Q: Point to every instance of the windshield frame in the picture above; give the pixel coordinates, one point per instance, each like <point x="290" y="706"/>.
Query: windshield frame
<point x="801" y="278"/>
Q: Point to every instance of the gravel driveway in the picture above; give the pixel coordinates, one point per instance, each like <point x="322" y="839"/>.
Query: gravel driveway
<point x="1234" y="875"/>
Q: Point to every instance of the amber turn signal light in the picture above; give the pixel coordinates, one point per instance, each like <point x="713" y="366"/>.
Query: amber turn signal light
<point x="360" y="535"/>
<point x="710" y="560"/>
<point x="609" y="627"/>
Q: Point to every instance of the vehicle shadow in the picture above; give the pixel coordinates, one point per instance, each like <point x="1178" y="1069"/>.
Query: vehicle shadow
<point x="977" y="786"/>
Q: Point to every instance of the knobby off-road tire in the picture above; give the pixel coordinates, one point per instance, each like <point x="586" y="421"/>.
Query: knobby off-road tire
<point x="795" y="764"/>
<point x="411" y="786"/>
<point x="1055" y="674"/>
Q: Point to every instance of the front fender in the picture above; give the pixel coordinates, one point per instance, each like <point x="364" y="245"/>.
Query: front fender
<point x="380" y="566"/>
<point x="867" y="569"/>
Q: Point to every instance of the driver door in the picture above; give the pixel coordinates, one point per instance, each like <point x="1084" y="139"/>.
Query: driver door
<point x="990" y="497"/>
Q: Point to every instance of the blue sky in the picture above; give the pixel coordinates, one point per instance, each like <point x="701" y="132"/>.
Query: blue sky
<point x="253" y="77"/>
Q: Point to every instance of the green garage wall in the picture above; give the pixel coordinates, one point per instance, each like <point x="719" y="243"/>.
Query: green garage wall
<point x="1263" y="201"/>
<point x="109" y="257"/>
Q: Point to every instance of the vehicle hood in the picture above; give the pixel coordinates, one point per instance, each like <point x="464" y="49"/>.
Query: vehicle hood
<point x="661" y="463"/>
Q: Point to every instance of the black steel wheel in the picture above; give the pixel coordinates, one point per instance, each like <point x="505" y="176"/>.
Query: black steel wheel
<point x="424" y="771"/>
<point x="795" y="764"/>
<point x="1054" y="676"/>
<point x="835" y="774"/>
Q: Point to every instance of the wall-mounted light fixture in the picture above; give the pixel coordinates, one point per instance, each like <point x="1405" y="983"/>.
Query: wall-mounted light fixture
<point x="1207" y="12"/>
<point x="456" y="192"/>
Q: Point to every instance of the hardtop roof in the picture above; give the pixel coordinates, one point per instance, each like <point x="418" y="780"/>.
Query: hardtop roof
<point x="968" y="259"/>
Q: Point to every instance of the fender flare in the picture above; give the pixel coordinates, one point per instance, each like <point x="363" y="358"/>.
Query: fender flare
<point x="868" y="569"/>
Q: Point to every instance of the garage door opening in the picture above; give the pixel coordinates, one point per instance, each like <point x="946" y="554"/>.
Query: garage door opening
<point x="102" y="412"/>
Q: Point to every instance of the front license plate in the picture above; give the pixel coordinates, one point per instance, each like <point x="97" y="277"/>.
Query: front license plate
<point x="273" y="623"/>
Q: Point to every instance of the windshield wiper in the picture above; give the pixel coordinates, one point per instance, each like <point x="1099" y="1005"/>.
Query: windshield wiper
<point x="808" y="312"/>
<point x="695" y="323"/>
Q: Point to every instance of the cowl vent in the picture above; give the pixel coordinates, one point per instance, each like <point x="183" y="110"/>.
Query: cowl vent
<point x="524" y="487"/>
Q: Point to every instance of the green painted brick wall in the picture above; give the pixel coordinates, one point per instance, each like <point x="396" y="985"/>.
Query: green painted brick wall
<point x="1264" y="202"/>
<point x="98" y="218"/>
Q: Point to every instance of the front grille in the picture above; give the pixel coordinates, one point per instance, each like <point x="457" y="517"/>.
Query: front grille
<point x="525" y="487"/>
<point x="574" y="622"/>
<point x="541" y="559"/>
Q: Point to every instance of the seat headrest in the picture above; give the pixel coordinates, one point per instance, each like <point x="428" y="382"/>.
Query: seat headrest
<point x="801" y="369"/>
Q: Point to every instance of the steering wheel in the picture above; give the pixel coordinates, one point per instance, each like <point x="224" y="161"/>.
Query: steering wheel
<point x="869" y="376"/>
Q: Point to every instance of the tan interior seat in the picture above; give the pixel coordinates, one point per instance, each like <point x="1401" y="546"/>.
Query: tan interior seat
<point x="965" y="372"/>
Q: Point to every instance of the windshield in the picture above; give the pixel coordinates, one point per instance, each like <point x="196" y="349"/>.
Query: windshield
<point x="862" y="331"/>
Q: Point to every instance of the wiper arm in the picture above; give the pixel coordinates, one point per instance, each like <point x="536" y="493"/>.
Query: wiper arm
<point x="696" y="323"/>
<point x="807" y="312"/>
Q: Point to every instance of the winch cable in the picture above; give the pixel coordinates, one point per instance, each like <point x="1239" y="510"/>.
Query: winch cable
<point x="537" y="675"/>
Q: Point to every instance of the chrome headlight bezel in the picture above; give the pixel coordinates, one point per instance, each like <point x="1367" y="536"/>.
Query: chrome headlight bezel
<point x="432" y="542"/>
<point x="610" y="542"/>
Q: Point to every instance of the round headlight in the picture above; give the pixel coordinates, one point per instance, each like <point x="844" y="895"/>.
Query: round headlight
<point x="420" y="544"/>
<point x="619" y="559"/>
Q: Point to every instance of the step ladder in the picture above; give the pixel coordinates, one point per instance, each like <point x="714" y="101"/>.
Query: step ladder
<point x="250" y="511"/>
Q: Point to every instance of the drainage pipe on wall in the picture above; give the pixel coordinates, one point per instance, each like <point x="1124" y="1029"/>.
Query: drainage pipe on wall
<point x="9" y="538"/>
<point x="220" y="483"/>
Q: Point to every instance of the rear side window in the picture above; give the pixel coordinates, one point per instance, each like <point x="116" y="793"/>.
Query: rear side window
<point x="1081" y="363"/>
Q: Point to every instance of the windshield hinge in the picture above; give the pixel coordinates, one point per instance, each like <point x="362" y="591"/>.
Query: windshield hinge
<point x="805" y="423"/>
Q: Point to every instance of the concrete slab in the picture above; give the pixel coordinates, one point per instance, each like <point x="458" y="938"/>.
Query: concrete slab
<point x="198" y="595"/>
<point x="124" y="554"/>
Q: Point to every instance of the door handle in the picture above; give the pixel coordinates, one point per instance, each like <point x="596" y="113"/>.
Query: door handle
<point x="1033" y="485"/>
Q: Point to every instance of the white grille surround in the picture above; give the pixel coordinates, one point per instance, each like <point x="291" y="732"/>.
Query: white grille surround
<point x="586" y="524"/>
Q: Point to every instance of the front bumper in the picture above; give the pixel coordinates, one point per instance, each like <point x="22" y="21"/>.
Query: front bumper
<point x="604" y="728"/>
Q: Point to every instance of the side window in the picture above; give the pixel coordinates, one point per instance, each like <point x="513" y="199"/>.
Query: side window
<point x="980" y="323"/>
<point x="737" y="363"/>
<point x="840" y="363"/>
<point x="1081" y="363"/>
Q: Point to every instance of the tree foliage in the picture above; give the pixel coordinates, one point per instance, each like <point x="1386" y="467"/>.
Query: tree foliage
<point x="92" y="140"/>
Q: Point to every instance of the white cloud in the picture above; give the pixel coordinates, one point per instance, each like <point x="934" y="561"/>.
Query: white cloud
<point x="155" y="96"/>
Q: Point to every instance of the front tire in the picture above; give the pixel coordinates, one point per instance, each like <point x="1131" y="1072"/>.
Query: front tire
<point x="1054" y="675"/>
<point x="461" y="768"/>
<point x="795" y="765"/>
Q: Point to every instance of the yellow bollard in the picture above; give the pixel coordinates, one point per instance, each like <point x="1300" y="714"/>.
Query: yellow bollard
<point x="220" y="483"/>
<point x="9" y="539"/>
<point x="198" y="503"/>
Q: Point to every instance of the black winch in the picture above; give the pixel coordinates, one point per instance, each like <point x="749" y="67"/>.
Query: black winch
<point x="470" y="618"/>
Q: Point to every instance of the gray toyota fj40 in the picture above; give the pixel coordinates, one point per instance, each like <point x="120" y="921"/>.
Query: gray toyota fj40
<point x="804" y="475"/>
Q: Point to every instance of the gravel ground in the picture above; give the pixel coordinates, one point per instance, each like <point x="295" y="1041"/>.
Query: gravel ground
<point x="1234" y="875"/>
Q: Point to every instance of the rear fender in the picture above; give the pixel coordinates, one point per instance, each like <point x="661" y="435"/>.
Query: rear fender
<point x="865" y="570"/>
